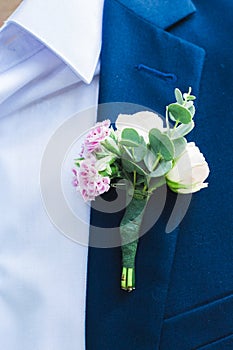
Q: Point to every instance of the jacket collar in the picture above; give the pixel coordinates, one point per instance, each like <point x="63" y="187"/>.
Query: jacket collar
<point x="161" y="13"/>
<point x="71" y="29"/>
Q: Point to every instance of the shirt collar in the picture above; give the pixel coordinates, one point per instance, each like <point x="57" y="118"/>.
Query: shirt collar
<point x="72" y="29"/>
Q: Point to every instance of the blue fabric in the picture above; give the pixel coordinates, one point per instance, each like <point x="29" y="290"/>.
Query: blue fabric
<point x="160" y="12"/>
<point x="183" y="298"/>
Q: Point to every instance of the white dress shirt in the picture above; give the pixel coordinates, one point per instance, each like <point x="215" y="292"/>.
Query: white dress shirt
<point x="49" y="53"/>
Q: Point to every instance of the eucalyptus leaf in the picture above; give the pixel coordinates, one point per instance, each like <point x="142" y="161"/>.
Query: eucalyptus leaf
<point x="140" y="170"/>
<point x="103" y="163"/>
<point x="162" y="169"/>
<point x="192" y="110"/>
<point x="130" y="167"/>
<point x="113" y="134"/>
<point x="110" y="145"/>
<point x="179" y="97"/>
<point x="156" y="182"/>
<point x="127" y="165"/>
<point x="166" y="148"/>
<point x="172" y="117"/>
<point x="154" y="139"/>
<point x="128" y="143"/>
<point x="126" y="152"/>
<point x="180" y="113"/>
<point x="149" y="160"/>
<point x="182" y="130"/>
<point x="102" y="154"/>
<point x="132" y="135"/>
<point x="139" y="153"/>
<point x="161" y="144"/>
<point x="180" y="145"/>
<point x="191" y="98"/>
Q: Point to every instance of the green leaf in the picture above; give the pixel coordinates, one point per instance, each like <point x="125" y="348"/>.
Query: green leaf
<point x="103" y="163"/>
<point x="180" y="145"/>
<point x="113" y="134"/>
<point x="139" y="153"/>
<point x="77" y="161"/>
<point x="102" y="154"/>
<point x="131" y="167"/>
<point x="179" y="97"/>
<point x="128" y="143"/>
<point x="189" y="97"/>
<point x="140" y="170"/>
<point x="182" y="130"/>
<point x="150" y="160"/>
<point x="108" y="170"/>
<point x="166" y="148"/>
<point x="142" y="142"/>
<point x="180" y="113"/>
<point x="114" y="170"/>
<point x="110" y="145"/>
<point x="127" y="165"/>
<point x="156" y="182"/>
<point x="130" y="134"/>
<point x="174" y="185"/>
<point x="125" y="152"/>
<point x="172" y="117"/>
<point x="161" y="144"/>
<point x="162" y="169"/>
<point x="192" y="110"/>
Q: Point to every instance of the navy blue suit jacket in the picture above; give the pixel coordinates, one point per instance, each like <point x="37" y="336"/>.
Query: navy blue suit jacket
<point x="184" y="294"/>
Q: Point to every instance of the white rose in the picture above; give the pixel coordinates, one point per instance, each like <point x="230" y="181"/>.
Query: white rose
<point x="189" y="172"/>
<point x="143" y="122"/>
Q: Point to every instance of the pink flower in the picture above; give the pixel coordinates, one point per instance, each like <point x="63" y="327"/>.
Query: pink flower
<point x="88" y="181"/>
<point x="95" y="137"/>
<point x="75" y="179"/>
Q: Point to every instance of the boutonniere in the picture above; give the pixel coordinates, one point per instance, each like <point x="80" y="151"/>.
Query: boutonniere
<point x="146" y="154"/>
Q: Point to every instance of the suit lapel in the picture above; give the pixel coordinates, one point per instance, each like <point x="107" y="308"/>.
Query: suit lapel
<point x="141" y="64"/>
<point x="161" y="13"/>
<point x="131" y="42"/>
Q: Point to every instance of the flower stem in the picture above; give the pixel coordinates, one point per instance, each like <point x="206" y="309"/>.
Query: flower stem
<point x="129" y="231"/>
<point x="157" y="162"/>
<point x="134" y="178"/>
<point x="128" y="279"/>
<point x="176" y="124"/>
<point x="167" y="121"/>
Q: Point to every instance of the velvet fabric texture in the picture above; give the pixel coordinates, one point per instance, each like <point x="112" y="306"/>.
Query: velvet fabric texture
<point x="184" y="280"/>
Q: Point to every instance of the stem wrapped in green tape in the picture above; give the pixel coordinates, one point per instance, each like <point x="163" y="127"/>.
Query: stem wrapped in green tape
<point x="129" y="230"/>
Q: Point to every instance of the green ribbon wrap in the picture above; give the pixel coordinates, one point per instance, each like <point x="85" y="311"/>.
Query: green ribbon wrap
<point x="129" y="230"/>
